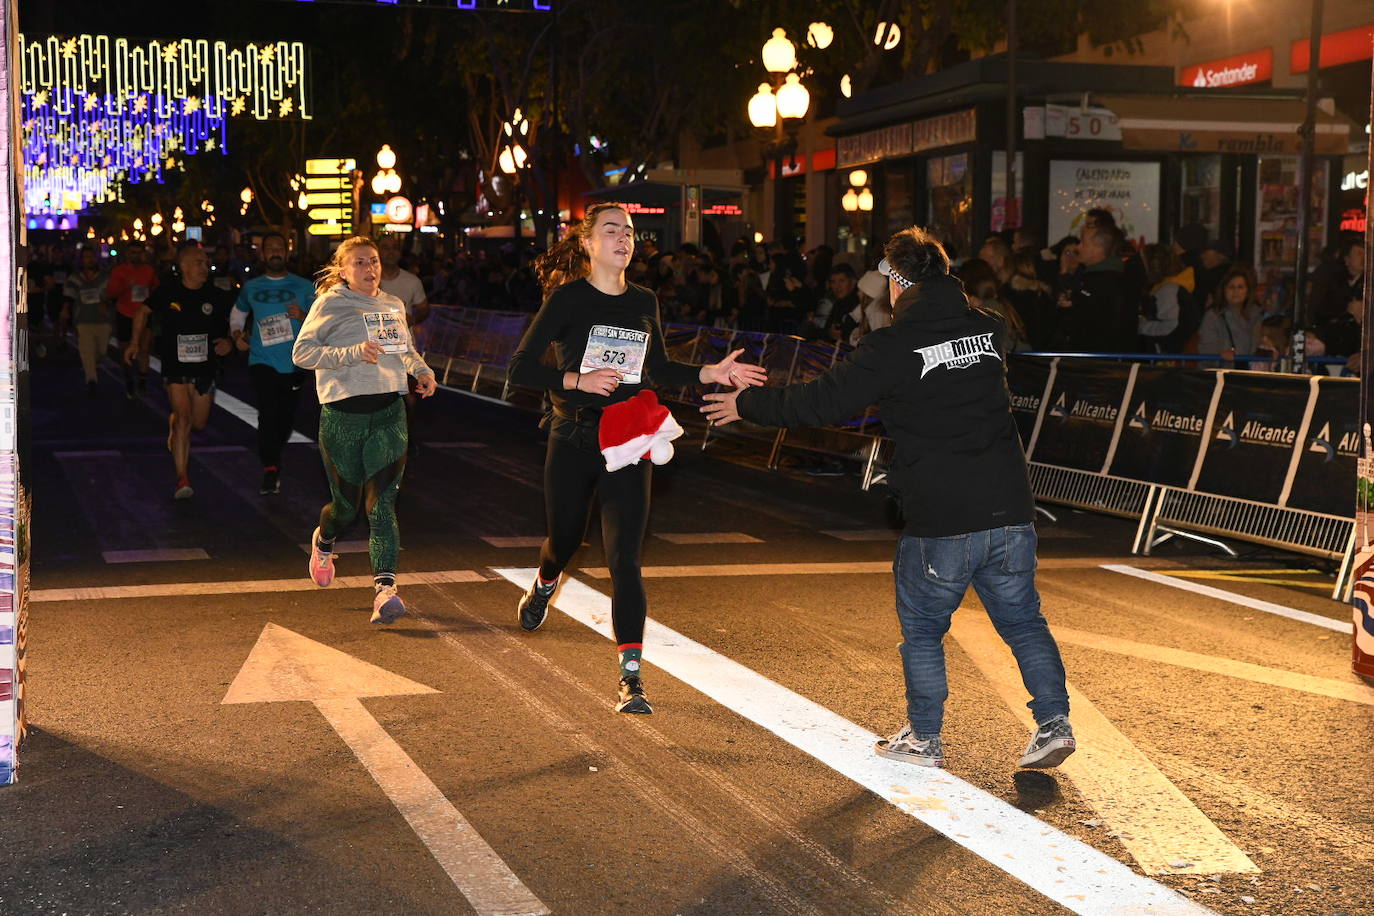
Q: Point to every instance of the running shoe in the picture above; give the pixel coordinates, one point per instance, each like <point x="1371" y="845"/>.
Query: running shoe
<point x="387" y="607"/>
<point x="534" y="606"/>
<point x="321" y="563"/>
<point x="1050" y="745"/>
<point x="906" y="747"/>
<point x="632" y="699"/>
<point x="184" y="490"/>
<point x="271" y="482"/>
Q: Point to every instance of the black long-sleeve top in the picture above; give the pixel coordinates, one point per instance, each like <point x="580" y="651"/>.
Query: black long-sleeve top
<point x="598" y="330"/>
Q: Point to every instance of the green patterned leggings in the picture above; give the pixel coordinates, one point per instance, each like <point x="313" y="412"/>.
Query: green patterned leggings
<point x="364" y="456"/>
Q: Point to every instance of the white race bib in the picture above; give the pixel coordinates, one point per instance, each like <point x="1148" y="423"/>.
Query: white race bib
<point x="616" y="348"/>
<point x="138" y="293"/>
<point x="386" y="329"/>
<point x="193" y="348"/>
<point x="274" y="329"/>
<point x="90" y="296"/>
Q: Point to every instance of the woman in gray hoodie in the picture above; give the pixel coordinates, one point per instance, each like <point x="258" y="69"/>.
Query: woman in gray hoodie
<point x="357" y="341"/>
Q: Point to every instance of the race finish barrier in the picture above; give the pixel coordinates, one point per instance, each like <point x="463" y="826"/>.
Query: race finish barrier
<point x="1263" y="457"/>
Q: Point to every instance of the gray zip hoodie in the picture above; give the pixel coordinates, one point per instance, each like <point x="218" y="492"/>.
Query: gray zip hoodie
<point x="331" y="342"/>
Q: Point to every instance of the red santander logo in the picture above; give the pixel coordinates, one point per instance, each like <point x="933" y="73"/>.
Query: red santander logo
<point x="1251" y="67"/>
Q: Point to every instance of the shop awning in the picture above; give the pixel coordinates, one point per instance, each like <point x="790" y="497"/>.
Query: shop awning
<point x="1223" y="125"/>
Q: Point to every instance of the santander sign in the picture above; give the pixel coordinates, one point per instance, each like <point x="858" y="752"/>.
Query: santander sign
<point x="1252" y="67"/>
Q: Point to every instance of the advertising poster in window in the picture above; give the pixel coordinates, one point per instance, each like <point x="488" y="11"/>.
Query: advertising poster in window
<point x="1129" y="190"/>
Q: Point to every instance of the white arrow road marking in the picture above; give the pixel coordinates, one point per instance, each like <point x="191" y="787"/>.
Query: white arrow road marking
<point x="1268" y="607"/>
<point x="1149" y="815"/>
<point x="286" y="666"/>
<point x="1062" y="868"/>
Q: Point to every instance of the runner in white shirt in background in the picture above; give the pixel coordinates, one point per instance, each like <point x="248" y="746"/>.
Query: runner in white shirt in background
<point x="407" y="287"/>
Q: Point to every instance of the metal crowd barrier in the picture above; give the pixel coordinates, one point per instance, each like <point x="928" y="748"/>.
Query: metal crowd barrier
<point x="478" y="344"/>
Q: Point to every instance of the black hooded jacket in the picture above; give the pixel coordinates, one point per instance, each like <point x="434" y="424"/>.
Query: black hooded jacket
<point x="938" y="378"/>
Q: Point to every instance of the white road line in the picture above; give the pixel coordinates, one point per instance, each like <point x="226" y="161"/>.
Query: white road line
<point x="863" y="534"/>
<point x="518" y="541"/>
<point x="1255" y="604"/>
<point x="154" y="555"/>
<point x="1353" y="691"/>
<point x="285" y="666"/>
<point x="750" y="569"/>
<point x="234" y="587"/>
<point x="342" y="547"/>
<point x="709" y="537"/>
<point x="1151" y="817"/>
<point x="868" y="567"/>
<point x="1062" y="868"/>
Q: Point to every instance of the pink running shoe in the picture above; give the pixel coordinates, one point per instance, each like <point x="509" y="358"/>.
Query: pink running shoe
<point x="321" y="563"/>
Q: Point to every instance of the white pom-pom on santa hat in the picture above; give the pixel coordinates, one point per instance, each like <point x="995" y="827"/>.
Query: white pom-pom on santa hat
<point x="638" y="428"/>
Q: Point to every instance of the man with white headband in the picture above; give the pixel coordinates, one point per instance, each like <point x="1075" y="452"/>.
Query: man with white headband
<point x="937" y="375"/>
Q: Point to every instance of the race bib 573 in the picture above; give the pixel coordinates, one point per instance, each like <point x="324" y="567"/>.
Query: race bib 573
<point x="616" y="348"/>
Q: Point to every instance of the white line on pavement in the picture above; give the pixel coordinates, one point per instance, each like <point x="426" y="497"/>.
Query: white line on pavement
<point x="1157" y="823"/>
<point x="1062" y="868"/>
<point x="866" y="567"/>
<point x="709" y="537"/>
<point x="233" y="587"/>
<point x="533" y="540"/>
<point x="863" y="534"/>
<point x="1256" y="604"/>
<point x="154" y="555"/>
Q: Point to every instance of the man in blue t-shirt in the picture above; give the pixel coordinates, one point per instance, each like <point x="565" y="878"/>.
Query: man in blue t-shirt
<point x="275" y="303"/>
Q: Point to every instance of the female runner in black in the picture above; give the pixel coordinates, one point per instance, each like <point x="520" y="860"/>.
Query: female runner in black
<point x="593" y="317"/>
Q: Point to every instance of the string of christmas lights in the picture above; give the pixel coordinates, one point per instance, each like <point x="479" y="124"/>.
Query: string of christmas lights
<point x="97" y="111"/>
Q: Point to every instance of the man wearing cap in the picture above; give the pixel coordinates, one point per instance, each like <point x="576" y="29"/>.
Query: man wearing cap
<point x="937" y="375"/>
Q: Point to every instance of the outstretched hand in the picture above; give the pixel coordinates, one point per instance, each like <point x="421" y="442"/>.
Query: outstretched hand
<point x="733" y="373"/>
<point x="721" y="407"/>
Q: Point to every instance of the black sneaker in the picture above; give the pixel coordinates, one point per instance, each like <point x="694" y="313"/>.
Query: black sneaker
<point x="271" y="482"/>
<point x="632" y="699"/>
<point x="1050" y="745"/>
<point x="534" y="606"/>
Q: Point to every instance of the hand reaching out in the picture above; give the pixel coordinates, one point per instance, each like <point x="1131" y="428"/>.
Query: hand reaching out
<point x="733" y="373"/>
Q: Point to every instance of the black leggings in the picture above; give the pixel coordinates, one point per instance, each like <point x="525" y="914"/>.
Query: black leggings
<point x="277" y="394"/>
<point x="571" y="476"/>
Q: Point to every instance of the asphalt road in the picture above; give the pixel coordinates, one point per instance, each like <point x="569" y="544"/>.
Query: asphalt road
<point x="453" y="763"/>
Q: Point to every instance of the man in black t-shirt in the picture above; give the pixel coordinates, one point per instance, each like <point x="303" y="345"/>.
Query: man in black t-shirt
<point x="194" y="332"/>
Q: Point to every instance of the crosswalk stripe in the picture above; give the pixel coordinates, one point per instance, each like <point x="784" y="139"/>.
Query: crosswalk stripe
<point x="234" y="586"/>
<point x="1064" y="869"/>
<point x="154" y="555"/>
<point x="709" y="537"/>
<point x="1158" y="825"/>
<point x="1256" y="604"/>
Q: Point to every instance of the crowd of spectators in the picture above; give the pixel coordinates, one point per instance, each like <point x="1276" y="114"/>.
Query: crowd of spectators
<point x="1093" y="293"/>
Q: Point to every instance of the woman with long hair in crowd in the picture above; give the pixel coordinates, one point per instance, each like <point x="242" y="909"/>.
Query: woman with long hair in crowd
<point x="1231" y="324"/>
<point x="980" y="286"/>
<point x="608" y="346"/>
<point x="357" y="340"/>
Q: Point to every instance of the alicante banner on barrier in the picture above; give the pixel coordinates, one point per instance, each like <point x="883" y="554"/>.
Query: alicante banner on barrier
<point x="1026" y="380"/>
<point x="1165" y="419"/>
<point x="1253" y="435"/>
<point x="1325" y="477"/>
<point x="1081" y="416"/>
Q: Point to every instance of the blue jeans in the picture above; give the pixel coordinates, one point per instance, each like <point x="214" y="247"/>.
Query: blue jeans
<point x="932" y="576"/>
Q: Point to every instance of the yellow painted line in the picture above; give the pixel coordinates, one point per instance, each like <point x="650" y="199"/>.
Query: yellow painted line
<point x="1151" y="817"/>
<point x="1353" y="691"/>
<point x="234" y="587"/>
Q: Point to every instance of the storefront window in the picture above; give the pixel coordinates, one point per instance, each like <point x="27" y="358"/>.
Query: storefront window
<point x="1201" y="193"/>
<point x="1000" y="219"/>
<point x="1276" y="225"/>
<point x="951" y="202"/>
<point x="898" y="200"/>
<point x="1128" y="190"/>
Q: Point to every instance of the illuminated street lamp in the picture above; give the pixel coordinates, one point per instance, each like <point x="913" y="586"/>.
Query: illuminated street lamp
<point x="763" y="107"/>
<point x="793" y="99"/>
<point x="819" y="35"/>
<point x="850" y="201"/>
<point x="779" y="54"/>
<point x="386" y="181"/>
<point x="866" y="200"/>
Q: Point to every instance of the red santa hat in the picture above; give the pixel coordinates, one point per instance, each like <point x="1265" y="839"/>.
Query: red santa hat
<point x="638" y="428"/>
